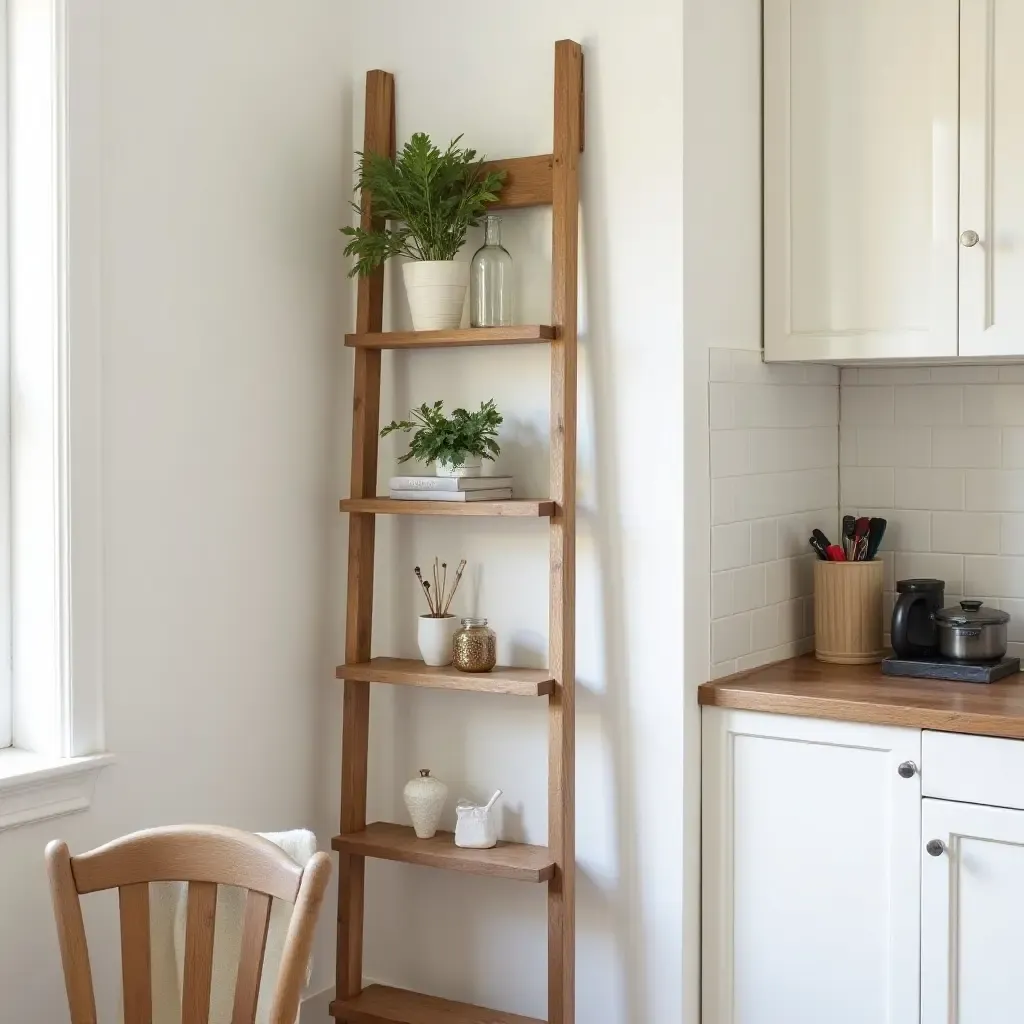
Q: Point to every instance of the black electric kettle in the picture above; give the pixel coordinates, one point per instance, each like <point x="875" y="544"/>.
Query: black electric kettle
<point x="914" y="634"/>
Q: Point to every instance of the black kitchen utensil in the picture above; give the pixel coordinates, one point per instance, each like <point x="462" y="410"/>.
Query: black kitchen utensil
<point x="821" y="539"/>
<point x="849" y="526"/>
<point x="819" y="549"/>
<point x="876" y="531"/>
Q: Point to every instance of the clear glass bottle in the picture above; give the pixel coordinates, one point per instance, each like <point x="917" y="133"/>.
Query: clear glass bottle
<point x="490" y="282"/>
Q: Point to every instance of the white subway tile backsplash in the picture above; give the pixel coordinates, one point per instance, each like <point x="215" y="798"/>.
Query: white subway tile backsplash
<point x="904" y="531"/>
<point x="1012" y="535"/>
<point x="993" y="577"/>
<point x="930" y="489"/>
<point x="730" y="546"/>
<point x="929" y="403"/>
<point x="932" y="566"/>
<point x="1012" y="448"/>
<point x="868" y="406"/>
<point x="775" y="477"/>
<point x="966" y="447"/>
<point x="730" y="638"/>
<point x="862" y="485"/>
<point x="894" y="375"/>
<point x="1001" y="404"/>
<point x="968" y="533"/>
<point x="730" y="452"/>
<point x="1015" y="630"/>
<point x="894" y="446"/>
<point x="847" y="445"/>
<point x="1012" y="374"/>
<point x="965" y="374"/>
<point x="994" y="490"/>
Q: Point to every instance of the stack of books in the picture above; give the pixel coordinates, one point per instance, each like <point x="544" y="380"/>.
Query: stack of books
<point x="451" y="488"/>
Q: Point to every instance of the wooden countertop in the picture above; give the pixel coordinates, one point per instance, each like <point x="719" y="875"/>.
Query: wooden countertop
<point x="860" y="693"/>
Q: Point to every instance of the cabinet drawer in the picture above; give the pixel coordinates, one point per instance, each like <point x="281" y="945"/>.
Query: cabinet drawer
<point x="973" y="769"/>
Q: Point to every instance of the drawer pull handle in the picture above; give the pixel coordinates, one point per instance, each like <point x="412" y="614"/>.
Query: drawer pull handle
<point x="936" y="847"/>
<point x="907" y="770"/>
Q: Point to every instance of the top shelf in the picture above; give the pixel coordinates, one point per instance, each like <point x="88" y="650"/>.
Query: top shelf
<point x="528" y="334"/>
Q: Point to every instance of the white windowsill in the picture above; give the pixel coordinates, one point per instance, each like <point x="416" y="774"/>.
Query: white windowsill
<point x="34" y="787"/>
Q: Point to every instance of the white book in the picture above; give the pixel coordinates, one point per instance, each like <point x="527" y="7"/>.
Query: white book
<point x="448" y="483"/>
<point x="491" y="494"/>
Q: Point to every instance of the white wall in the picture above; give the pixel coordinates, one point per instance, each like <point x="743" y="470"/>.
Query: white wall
<point x="220" y="266"/>
<point x="486" y="71"/>
<point x="939" y="453"/>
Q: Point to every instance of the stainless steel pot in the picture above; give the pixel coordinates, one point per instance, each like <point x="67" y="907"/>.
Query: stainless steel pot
<point x="972" y="632"/>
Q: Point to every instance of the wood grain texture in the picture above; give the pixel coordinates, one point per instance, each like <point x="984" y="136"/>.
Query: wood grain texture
<point x="200" y="920"/>
<point x="381" y="1005"/>
<point x="526" y="334"/>
<point x="528" y="181"/>
<point x="522" y="508"/>
<point x="136" y="967"/>
<point x="298" y="945"/>
<point x="386" y="841"/>
<point x="74" y="952"/>
<point x="519" y="682"/>
<point x="860" y="693"/>
<point x="568" y="118"/>
<point x="848" y="612"/>
<point x="255" y="926"/>
<point x="378" y="137"/>
<point x="201" y="853"/>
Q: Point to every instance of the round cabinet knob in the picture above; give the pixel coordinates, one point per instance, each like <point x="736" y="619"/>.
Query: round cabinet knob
<point x="936" y="847"/>
<point x="969" y="238"/>
<point x="907" y="770"/>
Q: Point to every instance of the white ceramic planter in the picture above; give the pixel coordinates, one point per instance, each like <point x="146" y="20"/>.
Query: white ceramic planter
<point x="424" y="799"/>
<point x="434" y="637"/>
<point x="471" y="467"/>
<point x="437" y="293"/>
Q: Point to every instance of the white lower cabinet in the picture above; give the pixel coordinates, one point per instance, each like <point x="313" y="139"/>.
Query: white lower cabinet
<point x="972" y="914"/>
<point x="811" y="871"/>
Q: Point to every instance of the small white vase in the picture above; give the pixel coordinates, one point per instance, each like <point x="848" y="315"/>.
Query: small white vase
<point x="424" y="799"/>
<point x="473" y="466"/>
<point x="437" y="293"/>
<point x="434" y="637"/>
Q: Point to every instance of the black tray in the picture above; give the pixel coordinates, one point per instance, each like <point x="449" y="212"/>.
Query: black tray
<point x="936" y="667"/>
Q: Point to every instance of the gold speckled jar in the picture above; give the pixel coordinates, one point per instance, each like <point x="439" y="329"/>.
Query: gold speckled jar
<point x="475" y="647"/>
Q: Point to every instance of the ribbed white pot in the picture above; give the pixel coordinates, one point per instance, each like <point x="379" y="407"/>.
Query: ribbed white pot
<point x="435" y="638"/>
<point x="437" y="293"/>
<point x="424" y="799"/>
<point x="473" y="466"/>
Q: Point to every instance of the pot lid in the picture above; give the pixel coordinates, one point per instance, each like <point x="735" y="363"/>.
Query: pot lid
<point x="971" y="613"/>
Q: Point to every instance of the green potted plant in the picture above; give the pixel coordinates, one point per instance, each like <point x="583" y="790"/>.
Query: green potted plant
<point x="425" y="201"/>
<point x="455" y="445"/>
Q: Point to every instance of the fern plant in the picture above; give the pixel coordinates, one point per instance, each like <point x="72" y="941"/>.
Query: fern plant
<point x="425" y="201"/>
<point x="450" y="439"/>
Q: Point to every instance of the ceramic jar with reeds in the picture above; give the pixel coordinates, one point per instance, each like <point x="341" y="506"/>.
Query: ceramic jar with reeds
<point x="436" y="630"/>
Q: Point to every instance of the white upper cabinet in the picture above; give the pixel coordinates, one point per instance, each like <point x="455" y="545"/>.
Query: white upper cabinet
<point x="992" y="177"/>
<point x="893" y="179"/>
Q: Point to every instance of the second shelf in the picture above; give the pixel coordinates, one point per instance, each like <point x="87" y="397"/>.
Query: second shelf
<point x="531" y="509"/>
<point x="520" y="682"/>
<point x="387" y="841"/>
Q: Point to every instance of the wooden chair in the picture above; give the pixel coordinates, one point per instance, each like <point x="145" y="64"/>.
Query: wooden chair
<point x="204" y="857"/>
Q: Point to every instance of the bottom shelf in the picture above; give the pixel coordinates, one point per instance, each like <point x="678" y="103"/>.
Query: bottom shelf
<point x="379" y="1004"/>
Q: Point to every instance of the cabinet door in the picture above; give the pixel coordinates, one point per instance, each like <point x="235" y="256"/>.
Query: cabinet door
<point x="971" y="915"/>
<point x="992" y="178"/>
<point x="811" y="871"/>
<point x="860" y="178"/>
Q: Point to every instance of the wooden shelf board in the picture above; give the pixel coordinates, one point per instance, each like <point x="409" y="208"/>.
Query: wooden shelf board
<point x="379" y="1004"/>
<point x="387" y="841"/>
<point x="530" y="508"/>
<point x="526" y="334"/>
<point x="519" y="682"/>
<point x="529" y="181"/>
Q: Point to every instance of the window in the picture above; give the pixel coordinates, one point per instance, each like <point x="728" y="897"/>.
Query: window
<point x="50" y="582"/>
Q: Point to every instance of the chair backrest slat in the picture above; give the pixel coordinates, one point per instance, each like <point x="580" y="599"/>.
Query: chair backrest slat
<point x="199" y="924"/>
<point x="204" y="857"/>
<point x="255" y="925"/>
<point x="136" y="966"/>
<point x="74" y="953"/>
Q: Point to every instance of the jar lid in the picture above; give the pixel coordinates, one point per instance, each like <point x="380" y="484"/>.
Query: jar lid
<point x="916" y="586"/>
<point x="971" y="613"/>
<point x="467" y="622"/>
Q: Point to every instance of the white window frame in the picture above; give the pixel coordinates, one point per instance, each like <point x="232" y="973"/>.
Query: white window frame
<point x="55" y="511"/>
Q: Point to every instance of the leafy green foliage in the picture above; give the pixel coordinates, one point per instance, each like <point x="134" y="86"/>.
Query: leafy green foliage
<point x="426" y="200"/>
<point x="451" y="439"/>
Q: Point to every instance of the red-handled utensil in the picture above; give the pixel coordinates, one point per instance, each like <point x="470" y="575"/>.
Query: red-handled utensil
<point x="835" y="553"/>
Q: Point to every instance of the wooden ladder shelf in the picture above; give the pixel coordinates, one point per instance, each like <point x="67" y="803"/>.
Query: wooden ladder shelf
<point x="552" y="179"/>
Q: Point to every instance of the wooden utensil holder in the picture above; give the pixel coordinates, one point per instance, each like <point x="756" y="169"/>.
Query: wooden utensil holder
<point x="848" y="612"/>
